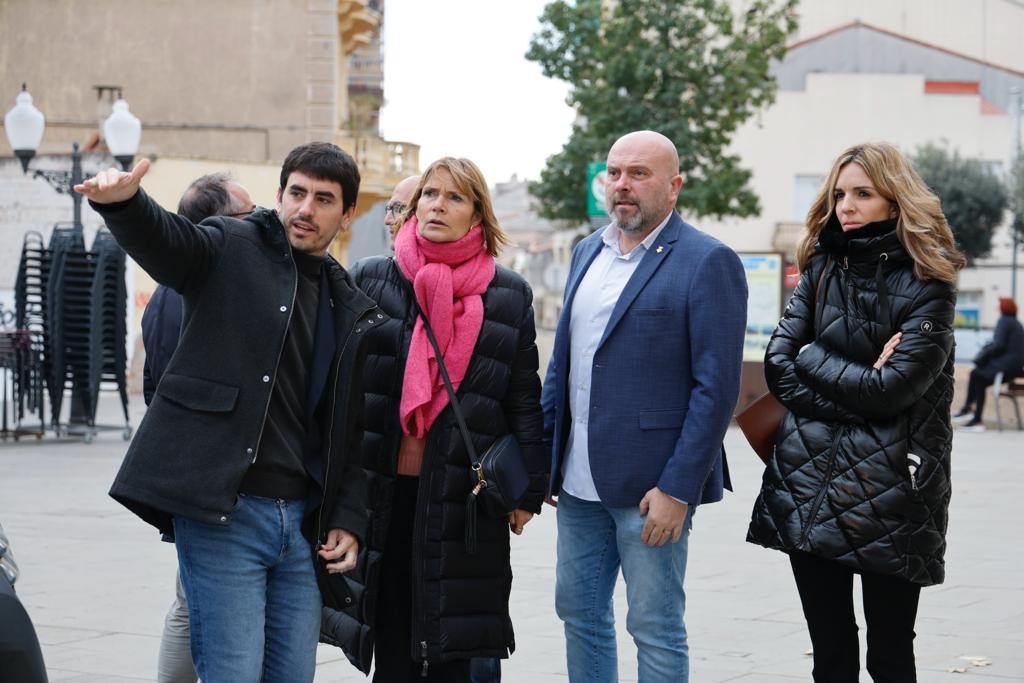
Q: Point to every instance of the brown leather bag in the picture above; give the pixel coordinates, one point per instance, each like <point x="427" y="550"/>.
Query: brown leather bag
<point x="760" y="420"/>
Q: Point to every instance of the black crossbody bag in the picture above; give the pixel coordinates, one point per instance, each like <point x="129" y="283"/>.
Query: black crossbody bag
<point x="499" y="476"/>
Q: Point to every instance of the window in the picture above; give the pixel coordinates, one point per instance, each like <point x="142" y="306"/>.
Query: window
<point x="804" y="192"/>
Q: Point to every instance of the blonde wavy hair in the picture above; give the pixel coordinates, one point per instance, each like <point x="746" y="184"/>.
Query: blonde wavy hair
<point x="920" y="224"/>
<point x="470" y="181"/>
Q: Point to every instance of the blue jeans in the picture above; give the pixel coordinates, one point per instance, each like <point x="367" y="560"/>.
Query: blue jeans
<point x="485" y="670"/>
<point x="594" y="541"/>
<point x="254" y="605"/>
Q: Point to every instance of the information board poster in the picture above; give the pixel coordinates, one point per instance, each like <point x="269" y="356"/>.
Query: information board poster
<point x="764" y="300"/>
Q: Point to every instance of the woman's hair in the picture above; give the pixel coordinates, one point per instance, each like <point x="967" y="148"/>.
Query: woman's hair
<point x="920" y="225"/>
<point x="470" y="181"/>
<point x="1007" y="306"/>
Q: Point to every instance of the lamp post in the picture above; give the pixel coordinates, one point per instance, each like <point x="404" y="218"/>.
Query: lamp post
<point x="1017" y="97"/>
<point x="25" y="124"/>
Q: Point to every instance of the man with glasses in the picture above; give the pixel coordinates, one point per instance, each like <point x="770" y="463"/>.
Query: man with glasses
<point x="396" y="205"/>
<point x="215" y="194"/>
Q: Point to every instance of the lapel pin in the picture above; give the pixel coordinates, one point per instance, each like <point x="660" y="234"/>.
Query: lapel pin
<point x="659" y="249"/>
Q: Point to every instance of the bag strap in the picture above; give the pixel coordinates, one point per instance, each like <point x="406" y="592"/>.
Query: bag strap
<point x="456" y="406"/>
<point x="469" y="534"/>
<point x="819" y="304"/>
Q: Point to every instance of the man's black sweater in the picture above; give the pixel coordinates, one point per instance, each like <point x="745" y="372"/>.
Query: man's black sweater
<point x="278" y="470"/>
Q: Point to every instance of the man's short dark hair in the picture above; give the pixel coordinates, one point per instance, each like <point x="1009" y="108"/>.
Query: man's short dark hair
<point x="207" y="196"/>
<point x="325" y="161"/>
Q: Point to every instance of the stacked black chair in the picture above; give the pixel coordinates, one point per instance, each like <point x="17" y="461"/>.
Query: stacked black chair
<point x="68" y="267"/>
<point x="70" y="315"/>
<point x="29" y="378"/>
<point x="108" y="328"/>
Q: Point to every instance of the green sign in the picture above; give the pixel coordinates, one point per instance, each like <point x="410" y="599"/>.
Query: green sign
<point x="595" y="188"/>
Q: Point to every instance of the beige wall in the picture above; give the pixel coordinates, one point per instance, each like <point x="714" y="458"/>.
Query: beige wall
<point x="227" y="79"/>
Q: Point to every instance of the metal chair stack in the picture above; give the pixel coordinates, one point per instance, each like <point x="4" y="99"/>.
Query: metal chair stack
<point x="28" y="376"/>
<point x="108" y="329"/>
<point x="71" y="304"/>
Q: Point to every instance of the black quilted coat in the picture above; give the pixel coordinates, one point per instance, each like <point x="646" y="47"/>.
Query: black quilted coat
<point x="461" y="600"/>
<point x="861" y="470"/>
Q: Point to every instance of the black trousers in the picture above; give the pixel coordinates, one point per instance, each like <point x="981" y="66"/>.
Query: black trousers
<point x="978" y="382"/>
<point x="393" y="647"/>
<point x="890" y="609"/>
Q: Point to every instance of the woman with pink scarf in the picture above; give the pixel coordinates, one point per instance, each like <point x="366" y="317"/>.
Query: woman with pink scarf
<point x="425" y="604"/>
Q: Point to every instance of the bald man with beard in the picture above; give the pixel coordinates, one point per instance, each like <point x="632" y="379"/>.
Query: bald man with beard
<point x="641" y="387"/>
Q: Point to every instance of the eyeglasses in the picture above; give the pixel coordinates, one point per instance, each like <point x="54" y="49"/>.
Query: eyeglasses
<point x="394" y="208"/>
<point x="242" y="214"/>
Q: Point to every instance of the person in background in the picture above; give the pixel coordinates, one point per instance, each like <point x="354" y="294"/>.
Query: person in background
<point x="427" y="602"/>
<point x="215" y="194"/>
<point x="641" y="387"/>
<point x="1005" y="354"/>
<point x="395" y="206"/>
<point x="859" y="482"/>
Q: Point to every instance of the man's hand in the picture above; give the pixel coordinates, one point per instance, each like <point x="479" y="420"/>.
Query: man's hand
<point x="665" y="517"/>
<point x="112" y="186"/>
<point x="342" y="546"/>
<point x="517" y="519"/>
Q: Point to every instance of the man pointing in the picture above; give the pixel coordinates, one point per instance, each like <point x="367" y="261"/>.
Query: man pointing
<point x="248" y="453"/>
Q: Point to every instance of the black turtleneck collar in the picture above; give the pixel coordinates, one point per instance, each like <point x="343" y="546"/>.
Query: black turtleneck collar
<point x="838" y="242"/>
<point x="308" y="264"/>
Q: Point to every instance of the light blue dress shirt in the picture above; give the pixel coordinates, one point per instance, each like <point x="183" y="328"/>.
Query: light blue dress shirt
<point x="596" y="296"/>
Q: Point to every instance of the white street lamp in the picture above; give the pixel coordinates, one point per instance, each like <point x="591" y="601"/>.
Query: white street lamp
<point x="24" y="125"/>
<point x="122" y="130"/>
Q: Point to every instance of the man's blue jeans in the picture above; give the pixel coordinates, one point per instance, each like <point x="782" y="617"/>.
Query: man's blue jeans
<point x="254" y="605"/>
<point x="594" y="541"/>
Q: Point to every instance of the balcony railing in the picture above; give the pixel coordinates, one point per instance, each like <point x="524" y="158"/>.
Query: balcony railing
<point x="379" y="157"/>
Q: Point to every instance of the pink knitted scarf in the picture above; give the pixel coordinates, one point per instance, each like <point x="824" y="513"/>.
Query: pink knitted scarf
<point x="449" y="279"/>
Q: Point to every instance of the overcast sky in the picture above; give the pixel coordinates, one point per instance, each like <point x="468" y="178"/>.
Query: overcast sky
<point x="456" y="83"/>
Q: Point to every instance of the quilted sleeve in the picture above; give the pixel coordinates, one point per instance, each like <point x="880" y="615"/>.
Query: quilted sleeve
<point x="523" y="409"/>
<point x="913" y="367"/>
<point x="794" y="331"/>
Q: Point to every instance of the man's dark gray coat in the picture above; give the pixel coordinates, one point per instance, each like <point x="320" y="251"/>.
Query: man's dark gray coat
<point x="203" y="428"/>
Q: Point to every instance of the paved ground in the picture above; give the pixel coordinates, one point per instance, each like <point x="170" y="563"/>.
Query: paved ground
<point x="97" y="581"/>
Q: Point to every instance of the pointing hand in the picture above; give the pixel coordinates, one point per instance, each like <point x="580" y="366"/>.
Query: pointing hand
<point x="112" y="186"/>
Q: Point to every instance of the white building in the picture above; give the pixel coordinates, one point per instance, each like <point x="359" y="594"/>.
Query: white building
<point x="908" y="72"/>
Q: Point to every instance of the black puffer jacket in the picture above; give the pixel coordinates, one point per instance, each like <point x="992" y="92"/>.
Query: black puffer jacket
<point x="845" y="483"/>
<point x="461" y="600"/>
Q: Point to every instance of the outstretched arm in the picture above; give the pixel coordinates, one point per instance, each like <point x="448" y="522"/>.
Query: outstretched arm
<point x="173" y="250"/>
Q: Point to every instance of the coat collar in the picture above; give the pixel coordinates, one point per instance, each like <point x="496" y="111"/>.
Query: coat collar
<point x="343" y="289"/>
<point x="656" y="255"/>
<point x="649" y="264"/>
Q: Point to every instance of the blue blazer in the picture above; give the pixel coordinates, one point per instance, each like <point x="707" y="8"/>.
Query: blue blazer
<point x="666" y="372"/>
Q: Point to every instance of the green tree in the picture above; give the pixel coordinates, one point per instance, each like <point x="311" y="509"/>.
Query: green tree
<point x="973" y="197"/>
<point x="691" y="70"/>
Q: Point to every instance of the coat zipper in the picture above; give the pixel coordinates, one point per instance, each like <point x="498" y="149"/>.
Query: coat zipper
<point x="280" y="350"/>
<point x="824" y="488"/>
<point x="330" y="428"/>
<point x="417" y="573"/>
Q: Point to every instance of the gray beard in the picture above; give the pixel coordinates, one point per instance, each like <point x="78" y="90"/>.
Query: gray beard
<point x="631" y="227"/>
